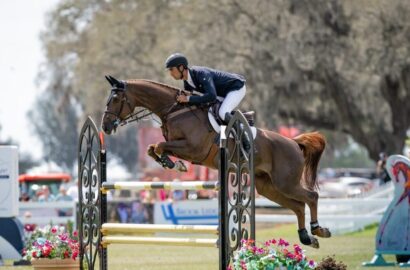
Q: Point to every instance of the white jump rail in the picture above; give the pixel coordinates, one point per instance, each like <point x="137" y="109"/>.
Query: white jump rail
<point x="120" y="228"/>
<point x="140" y="185"/>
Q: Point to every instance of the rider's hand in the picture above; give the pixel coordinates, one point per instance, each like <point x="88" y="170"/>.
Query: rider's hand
<point x="182" y="99"/>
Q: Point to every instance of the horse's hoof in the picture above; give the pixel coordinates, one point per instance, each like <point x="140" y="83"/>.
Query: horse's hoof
<point x="314" y="242"/>
<point x="307" y="239"/>
<point x="180" y="166"/>
<point x="322" y="232"/>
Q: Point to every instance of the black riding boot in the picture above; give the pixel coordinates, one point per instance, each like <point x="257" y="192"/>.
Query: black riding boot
<point x="245" y="137"/>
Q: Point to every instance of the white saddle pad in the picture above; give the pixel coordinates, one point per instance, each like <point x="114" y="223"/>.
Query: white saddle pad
<point x="217" y="127"/>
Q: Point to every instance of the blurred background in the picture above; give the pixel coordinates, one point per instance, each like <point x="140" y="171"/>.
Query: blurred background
<point x="339" y="67"/>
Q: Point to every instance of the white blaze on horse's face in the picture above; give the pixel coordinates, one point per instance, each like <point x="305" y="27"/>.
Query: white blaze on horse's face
<point x="116" y="110"/>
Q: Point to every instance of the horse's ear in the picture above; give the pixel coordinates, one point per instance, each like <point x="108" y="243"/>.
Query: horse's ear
<point x="109" y="80"/>
<point x="114" y="80"/>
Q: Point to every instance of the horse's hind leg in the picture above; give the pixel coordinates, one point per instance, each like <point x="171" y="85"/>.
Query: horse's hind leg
<point x="297" y="192"/>
<point x="265" y="188"/>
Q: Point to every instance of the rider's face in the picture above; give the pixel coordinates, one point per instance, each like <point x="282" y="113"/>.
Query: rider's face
<point x="174" y="72"/>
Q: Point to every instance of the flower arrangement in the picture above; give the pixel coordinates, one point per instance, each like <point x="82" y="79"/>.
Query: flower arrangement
<point x="272" y="255"/>
<point x="53" y="242"/>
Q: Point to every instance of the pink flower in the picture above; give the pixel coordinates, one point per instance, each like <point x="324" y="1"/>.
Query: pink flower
<point x="297" y="248"/>
<point x="75" y="233"/>
<point x="34" y="254"/>
<point x="54" y="230"/>
<point x="260" y="251"/>
<point x="243" y="265"/>
<point x="283" y="243"/>
<point x="273" y="241"/>
<point x="63" y="237"/>
<point x="290" y="255"/>
<point x="311" y="263"/>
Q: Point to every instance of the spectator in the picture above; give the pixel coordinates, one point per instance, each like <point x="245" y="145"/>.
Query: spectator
<point x="72" y="191"/>
<point x="63" y="197"/>
<point x="381" y="169"/>
<point x="138" y="213"/>
<point x="123" y="212"/>
<point x="177" y="195"/>
<point x="45" y="195"/>
<point x="24" y="197"/>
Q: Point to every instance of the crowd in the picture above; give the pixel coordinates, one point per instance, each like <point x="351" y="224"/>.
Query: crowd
<point x="141" y="207"/>
<point x="43" y="194"/>
<point x="124" y="206"/>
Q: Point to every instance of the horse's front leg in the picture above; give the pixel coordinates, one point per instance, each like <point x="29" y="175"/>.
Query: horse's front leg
<point x="151" y="153"/>
<point x="175" y="148"/>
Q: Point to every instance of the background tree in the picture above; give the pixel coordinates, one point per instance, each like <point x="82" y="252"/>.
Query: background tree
<point x="339" y="66"/>
<point x="54" y="125"/>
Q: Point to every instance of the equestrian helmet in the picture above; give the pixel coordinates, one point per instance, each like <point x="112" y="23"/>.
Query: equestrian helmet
<point x="176" y="59"/>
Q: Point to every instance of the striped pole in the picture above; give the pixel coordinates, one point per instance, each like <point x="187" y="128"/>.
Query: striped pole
<point x="118" y="228"/>
<point x="165" y="241"/>
<point x="133" y="185"/>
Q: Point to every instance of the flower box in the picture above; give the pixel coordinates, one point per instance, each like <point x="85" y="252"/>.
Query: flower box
<point x="57" y="264"/>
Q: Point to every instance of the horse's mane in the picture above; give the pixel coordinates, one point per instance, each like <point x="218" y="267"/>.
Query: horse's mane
<point x="159" y="84"/>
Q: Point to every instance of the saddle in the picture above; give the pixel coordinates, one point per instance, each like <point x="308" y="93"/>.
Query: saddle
<point x="214" y="109"/>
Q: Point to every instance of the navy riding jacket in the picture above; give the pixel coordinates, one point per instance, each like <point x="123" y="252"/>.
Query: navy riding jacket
<point x="212" y="83"/>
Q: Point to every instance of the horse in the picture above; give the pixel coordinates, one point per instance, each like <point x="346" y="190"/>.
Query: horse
<point x="285" y="169"/>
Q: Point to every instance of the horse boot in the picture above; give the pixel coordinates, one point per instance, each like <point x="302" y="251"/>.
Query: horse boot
<point x="166" y="162"/>
<point x="245" y="138"/>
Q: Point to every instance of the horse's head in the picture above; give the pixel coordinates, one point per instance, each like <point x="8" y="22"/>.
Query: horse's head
<point x="118" y="105"/>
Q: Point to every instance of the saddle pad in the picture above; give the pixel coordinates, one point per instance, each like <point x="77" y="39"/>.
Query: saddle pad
<point x="217" y="127"/>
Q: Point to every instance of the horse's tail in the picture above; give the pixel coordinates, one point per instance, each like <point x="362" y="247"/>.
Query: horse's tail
<point x="312" y="145"/>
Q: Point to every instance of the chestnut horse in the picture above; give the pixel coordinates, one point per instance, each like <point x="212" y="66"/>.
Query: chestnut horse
<point x="285" y="169"/>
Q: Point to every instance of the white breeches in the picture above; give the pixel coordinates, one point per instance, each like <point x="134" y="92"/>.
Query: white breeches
<point x="231" y="101"/>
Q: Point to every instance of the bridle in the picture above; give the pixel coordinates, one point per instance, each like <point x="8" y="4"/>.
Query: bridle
<point x="131" y="117"/>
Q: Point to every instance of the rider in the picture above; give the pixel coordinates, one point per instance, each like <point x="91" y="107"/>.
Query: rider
<point x="213" y="84"/>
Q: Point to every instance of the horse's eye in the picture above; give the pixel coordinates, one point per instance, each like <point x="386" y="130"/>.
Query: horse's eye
<point x="115" y="98"/>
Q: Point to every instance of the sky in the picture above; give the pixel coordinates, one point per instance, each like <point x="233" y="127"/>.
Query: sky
<point x="21" y="55"/>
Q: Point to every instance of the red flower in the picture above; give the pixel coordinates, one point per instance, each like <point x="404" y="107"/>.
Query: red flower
<point x="66" y="254"/>
<point x="29" y="227"/>
<point x="75" y="255"/>
<point x="75" y="233"/>
<point x="46" y="250"/>
<point x="290" y="255"/>
<point x="54" y="230"/>
<point x="34" y="254"/>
